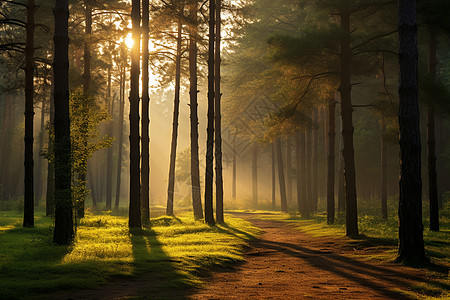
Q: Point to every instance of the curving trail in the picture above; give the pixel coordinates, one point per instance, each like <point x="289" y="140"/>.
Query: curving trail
<point x="288" y="264"/>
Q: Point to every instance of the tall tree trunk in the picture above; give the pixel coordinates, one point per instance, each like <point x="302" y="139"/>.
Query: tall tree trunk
<point x="308" y="170"/>
<point x="255" y="174"/>
<point x="314" y="160"/>
<point x="63" y="230"/>
<point x="411" y="245"/>
<point x="28" y="211"/>
<point x="209" y="176"/>
<point x="193" y="105"/>
<point x="345" y="88"/>
<point x="135" y="182"/>
<point x="39" y="177"/>
<point x="109" y="162"/>
<point x="304" y="176"/>
<point x="233" y="189"/>
<point x="324" y="119"/>
<point x="432" y="172"/>
<point x="176" y="109"/>
<point x="273" y="176"/>
<point x="281" y="177"/>
<point x="384" y="212"/>
<point x="331" y="159"/>
<point x="87" y="48"/>
<point x="145" y="121"/>
<point x="298" y="161"/>
<point x="289" y="169"/>
<point x="50" y="195"/>
<point x="341" y="179"/>
<point x="217" y="117"/>
<point x="120" y="141"/>
<point x="440" y="166"/>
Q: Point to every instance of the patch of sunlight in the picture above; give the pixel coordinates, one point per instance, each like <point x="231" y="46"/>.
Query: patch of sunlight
<point x="101" y="239"/>
<point x="321" y="230"/>
<point x="6" y="228"/>
<point x="426" y="291"/>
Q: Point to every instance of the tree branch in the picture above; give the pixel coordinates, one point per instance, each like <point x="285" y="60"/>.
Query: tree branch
<point x="373" y="38"/>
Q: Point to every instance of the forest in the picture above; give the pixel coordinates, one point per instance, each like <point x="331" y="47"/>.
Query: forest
<point x="220" y="149"/>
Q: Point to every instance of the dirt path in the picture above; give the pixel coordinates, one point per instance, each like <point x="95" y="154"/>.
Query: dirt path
<point x="288" y="264"/>
<point x="283" y="264"/>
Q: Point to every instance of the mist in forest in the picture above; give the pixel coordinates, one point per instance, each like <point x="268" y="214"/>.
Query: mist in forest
<point x="283" y="100"/>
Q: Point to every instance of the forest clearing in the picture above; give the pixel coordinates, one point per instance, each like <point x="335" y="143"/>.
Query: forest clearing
<point x="275" y="256"/>
<point x="214" y="149"/>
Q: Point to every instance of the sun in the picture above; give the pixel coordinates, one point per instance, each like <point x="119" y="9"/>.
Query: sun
<point x="129" y="41"/>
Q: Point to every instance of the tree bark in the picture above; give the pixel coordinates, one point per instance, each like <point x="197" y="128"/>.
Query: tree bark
<point x="63" y="230"/>
<point x="255" y="174"/>
<point x="176" y="109"/>
<point x="39" y="176"/>
<point x="135" y="182"/>
<point x="411" y="245"/>
<point x="218" y="118"/>
<point x="233" y="188"/>
<point x="109" y="162"/>
<point x="298" y="160"/>
<point x="273" y="176"/>
<point x="304" y="175"/>
<point x="50" y="195"/>
<point x="384" y="212"/>
<point x="331" y="159"/>
<point x="209" y="176"/>
<point x="314" y="160"/>
<point x="289" y="169"/>
<point x="28" y="211"/>
<point x="347" y="125"/>
<point x="193" y="105"/>
<point x="87" y="48"/>
<point x="341" y="179"/>
<point x="308" y="163"/>
<point x="145" y="121"/>
<point x="281" y="177"/>
<point x="120" y="141"/>
<point x="431" y="142"/>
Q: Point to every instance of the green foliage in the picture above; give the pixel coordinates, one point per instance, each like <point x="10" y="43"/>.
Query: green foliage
<point x="85" y="116"/>
<point x="173" y="251"/>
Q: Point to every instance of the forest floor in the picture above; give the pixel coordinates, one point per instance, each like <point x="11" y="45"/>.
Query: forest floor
<point x="287" y="263"/>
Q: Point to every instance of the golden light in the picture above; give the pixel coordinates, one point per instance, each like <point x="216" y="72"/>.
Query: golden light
<point x="129" y="41"/>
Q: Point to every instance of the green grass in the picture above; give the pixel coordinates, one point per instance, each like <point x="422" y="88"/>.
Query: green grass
<point x="176" y="250"/>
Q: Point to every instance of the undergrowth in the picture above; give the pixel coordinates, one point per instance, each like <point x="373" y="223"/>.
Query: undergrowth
<point x="176" y="250"/>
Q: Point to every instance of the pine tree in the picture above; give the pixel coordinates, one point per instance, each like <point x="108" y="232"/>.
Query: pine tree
<point x="411" y="245"/>
<point x="28" y="218"/>
<point x="193" y="104"/>
<point x="218" y="117"/>
<point x="63" y="230"/>
<point x="209" y="216"/>
<point x="331" y="160"/>
<point x="176" y="111"/>
<point x="135" y="183"/>
<point x="145" y="156"/>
